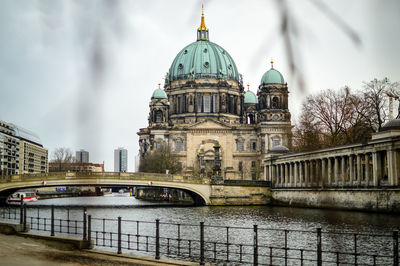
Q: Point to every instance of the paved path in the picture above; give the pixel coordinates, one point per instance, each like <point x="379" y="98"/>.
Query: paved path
<point x="17" y="250"/>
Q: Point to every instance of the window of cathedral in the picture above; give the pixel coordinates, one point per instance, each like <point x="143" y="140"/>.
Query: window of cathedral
<point x="159" y="116"/>
<point x="253" y="176"/>
<point x="275" y="102"/>
<point x="253" y="164"/>
<point x="158" y="146"/>
<point x="253" y="145"/>
<point x="239" y="146"/>
<point x="250" y="119"/>
<point x="207" y="103"/>
<point x="198" y="103"/>
<point x="276" y="142"/>
<point x="214" y="103"/>
<point x="175" y="105"/>
<point x="178" y="145"/>
<point x="240" y="167"/>
<point x="230" y="104"/>
<point x="179" y="105"/>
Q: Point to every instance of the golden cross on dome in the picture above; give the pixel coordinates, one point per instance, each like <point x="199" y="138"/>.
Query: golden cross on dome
<point x="248" y="86"/>
<point x="272" y="63"/>
<point x="202" y="24"/>
<point x="159" y="85"/>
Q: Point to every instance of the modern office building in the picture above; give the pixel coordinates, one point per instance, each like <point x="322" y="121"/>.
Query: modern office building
<point x="137" y="163"/>
<point x="82" y="156"/>
<point x="9" y="150"/>
<point x="21" y="151"/>
<point x="120" y="160"/>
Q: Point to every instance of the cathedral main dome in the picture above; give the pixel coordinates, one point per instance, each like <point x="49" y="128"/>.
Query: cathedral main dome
<point x="203" y="59"/>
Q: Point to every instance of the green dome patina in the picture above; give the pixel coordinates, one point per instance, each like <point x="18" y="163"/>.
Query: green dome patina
<point x="203" y="59"/>
<point x="272" y="76"/>
<point x="250" y="97"/>
<point x="159" y="94"/>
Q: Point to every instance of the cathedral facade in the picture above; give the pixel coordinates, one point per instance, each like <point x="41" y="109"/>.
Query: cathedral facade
<point x="206" y="116"/>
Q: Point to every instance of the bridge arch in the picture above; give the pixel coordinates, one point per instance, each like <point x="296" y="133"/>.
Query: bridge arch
<point x="200" y="193"/>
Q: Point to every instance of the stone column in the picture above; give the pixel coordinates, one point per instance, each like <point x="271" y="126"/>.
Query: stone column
<point x="376" y="168"/>
<point x="393" y="168"/>
<point x="291" y="173"/>
<point x="336" y="166"/>
<point x="281" y="176"/>
<point x="311" y="173"/>
<point x="306" y="174"/>
<point x="266" y="140"/>
<point x="344" y="171"/>
<point x="265" y="171"/>
<point x="367" y="169"/>
<point x="323" y="172"/>
<point x="301" y="177"/>
<point x="359" y="168"/>
<point x="296" y="173"/>
<point x="270" y="172"/>
<point x="286" y="174"/>
<point x="351" y="166"/>
<point x="329" y="171"/>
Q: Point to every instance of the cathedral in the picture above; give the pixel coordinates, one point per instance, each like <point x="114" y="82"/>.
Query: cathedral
<point x="209" y="121"/>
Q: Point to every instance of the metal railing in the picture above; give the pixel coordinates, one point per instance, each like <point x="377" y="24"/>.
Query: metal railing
<point x="213" y="243"/>
<point x="109" y="175"/>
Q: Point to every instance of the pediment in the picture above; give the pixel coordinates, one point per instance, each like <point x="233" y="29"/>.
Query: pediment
<point x="209" y="124"/>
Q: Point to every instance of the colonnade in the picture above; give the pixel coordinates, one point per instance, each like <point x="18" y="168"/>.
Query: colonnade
<point x="336" y="169"/>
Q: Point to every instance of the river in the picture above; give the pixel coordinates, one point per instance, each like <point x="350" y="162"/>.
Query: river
<point x="233" y="224"/>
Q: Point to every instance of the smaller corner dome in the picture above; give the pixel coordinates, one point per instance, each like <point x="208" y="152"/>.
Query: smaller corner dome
<point x="279" y="149"/>
<point x="159" y="94"/>
<point x="272" y="76"/>
<point x="250" y="97"/>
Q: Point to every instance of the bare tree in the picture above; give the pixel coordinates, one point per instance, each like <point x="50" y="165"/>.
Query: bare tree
<point x="307" y="134"/>
<point x="62" y="158"/>
<point x="332" y="118"/>
<point x="159" y="161"/>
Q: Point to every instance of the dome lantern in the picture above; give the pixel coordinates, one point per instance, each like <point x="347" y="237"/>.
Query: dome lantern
<point x="202" y="31"/>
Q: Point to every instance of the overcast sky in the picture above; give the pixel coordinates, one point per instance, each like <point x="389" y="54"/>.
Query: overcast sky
<point x="80" y="74"/>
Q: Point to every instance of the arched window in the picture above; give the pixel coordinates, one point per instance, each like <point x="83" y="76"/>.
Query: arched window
<point x="178" y="145"/>
<point x="275" y="102"/>
<point x="250" y="119"/>
<point x="158" y="116"/>
<point x="276" y="142"/>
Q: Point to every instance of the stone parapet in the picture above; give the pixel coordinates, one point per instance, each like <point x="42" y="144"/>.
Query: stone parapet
<point x="385" y="200"/>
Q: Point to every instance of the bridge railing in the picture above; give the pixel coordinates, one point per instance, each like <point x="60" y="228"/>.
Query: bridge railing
<point x="217" y="244"/>
<point x="108" y="175"/>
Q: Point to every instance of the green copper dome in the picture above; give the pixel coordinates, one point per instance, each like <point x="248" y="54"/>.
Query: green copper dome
<point x="272" y="76"/>
<point x="203" y="59"/>
<point x="250" y="97"/>
<point x="159" y="94"/>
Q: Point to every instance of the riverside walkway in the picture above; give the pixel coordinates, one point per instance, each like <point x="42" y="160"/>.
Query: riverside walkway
<point x="210" y="243"/>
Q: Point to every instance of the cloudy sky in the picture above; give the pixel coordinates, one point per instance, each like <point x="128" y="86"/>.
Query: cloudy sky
<point x="80" y="74"/>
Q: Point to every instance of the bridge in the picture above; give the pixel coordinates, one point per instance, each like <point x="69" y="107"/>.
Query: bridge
<point x="202" y="190"/>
